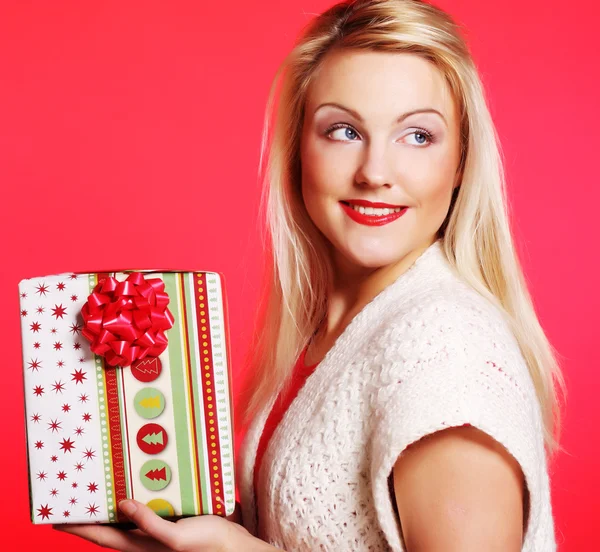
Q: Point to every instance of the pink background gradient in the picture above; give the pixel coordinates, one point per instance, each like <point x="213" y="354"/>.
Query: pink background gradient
<point x="129" y="137"/>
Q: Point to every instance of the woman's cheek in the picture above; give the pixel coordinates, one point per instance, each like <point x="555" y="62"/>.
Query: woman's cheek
<point x="313" y="196"/>
<point x="315" y="165"/>
<point x="439" y="202"/>
<point x="330" y="174"/>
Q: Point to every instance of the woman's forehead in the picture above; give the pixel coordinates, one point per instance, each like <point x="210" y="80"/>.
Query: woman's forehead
<point x="379" y="85"/>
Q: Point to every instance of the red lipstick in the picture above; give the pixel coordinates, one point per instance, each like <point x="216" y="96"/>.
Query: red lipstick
<point x="365" y="203"/>
<point x="372" y="220"/>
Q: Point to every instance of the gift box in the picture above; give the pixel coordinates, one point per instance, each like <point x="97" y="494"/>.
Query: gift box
<point x="127" y="386"/>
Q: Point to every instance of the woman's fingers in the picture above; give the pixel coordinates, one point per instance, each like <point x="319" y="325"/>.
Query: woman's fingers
<point x="156" y="534"/>
<point x="112" y="538"/>
<point x="151" y="523"/>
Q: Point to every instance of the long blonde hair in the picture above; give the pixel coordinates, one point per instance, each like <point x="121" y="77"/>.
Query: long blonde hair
<point x="476" y="235"/>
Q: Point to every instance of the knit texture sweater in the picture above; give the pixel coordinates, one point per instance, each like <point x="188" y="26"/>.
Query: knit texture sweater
<point x="299" y="375"/>
<point x="427" y="353"/>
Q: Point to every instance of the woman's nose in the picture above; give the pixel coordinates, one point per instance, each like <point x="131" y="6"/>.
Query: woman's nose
<point x="376" y="167"/>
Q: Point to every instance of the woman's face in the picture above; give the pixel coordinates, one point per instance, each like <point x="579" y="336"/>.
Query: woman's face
<point x="392" y="137"/>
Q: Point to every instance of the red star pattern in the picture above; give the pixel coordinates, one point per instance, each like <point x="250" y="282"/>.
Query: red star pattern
<point x="23" y="295"/>
<point x="59" y="340"/>
<point x="54" y="425"/>
<point x="67" y="445"/>
<point x="92" y="509"/>
<point x="59" y="311"/>
<point x="92" y="487"/>
<point x="42" y="289"/>
<point x="45" y="512"/>
<point x="73" y="277"/>
<point x="78" y="376"/>
<point x="35" y="364"/>
<point x="89" y="454"/>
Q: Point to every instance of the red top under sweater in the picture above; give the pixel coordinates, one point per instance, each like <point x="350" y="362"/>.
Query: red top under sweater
<point x="300" y="373"/>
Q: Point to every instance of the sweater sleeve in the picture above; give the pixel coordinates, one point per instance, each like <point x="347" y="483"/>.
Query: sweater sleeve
<point x="463" y="366"/>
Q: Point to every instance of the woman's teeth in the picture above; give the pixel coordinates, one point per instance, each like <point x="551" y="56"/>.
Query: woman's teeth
<point x="374" y="211"/>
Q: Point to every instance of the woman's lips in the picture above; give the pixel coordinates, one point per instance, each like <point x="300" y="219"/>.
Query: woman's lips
<point x="371" y="220"/>
<point x="366" y="203"/>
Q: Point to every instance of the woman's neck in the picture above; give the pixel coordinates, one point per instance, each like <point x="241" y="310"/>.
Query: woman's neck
<point x="354" y="288"/>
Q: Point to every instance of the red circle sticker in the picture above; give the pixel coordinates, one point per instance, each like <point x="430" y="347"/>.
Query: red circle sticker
<point x="152" y="438"/>
<point x="147" y="369"/>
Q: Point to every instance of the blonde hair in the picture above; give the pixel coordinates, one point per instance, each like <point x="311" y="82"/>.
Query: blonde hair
<point x="476" y="235"/>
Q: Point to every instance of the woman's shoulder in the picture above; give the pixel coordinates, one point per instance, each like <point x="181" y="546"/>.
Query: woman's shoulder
<point x="447" y="310"/>
<point x="454" y="332"/>
<point x="448" y="358"/>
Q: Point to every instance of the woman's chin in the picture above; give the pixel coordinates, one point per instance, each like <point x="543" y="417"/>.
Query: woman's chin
<point x="370" y="259"/>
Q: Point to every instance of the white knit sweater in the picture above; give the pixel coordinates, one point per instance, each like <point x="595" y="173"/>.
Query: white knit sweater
<point x="425" y="354"/>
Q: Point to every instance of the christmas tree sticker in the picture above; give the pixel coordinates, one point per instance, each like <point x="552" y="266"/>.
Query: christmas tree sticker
<point x="146" y="370"/>
<point x="155" y="475"/>
<point x="149" y="402"/>
<point x="152" y="438"/>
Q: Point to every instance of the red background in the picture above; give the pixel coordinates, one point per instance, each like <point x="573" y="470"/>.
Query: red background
<point x="129" y="137"/>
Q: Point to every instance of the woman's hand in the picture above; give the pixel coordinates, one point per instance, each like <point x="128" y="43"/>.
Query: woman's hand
<point x="207" y="533"/>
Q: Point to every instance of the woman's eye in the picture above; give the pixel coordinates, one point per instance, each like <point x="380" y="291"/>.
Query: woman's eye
<point x="421" y="137"/>
<point x="344" y="133"/>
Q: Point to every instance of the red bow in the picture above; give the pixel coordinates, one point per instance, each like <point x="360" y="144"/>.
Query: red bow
<point x="126" y="321"/>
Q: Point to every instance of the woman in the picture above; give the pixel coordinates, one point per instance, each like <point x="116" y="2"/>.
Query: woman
<point x="404" y="395"/>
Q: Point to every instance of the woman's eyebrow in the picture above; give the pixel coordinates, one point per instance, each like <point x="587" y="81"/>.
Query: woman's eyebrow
<point x="401" y="118"/>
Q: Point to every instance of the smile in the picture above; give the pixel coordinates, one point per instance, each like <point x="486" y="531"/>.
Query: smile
<point x="372" y="216"/>
<point x="374" y="211"/>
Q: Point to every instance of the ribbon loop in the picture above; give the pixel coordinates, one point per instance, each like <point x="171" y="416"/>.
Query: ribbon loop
<point x="126" y="321"/>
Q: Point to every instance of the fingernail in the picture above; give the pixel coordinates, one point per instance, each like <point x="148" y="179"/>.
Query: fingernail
<point x="128" y="507"/>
